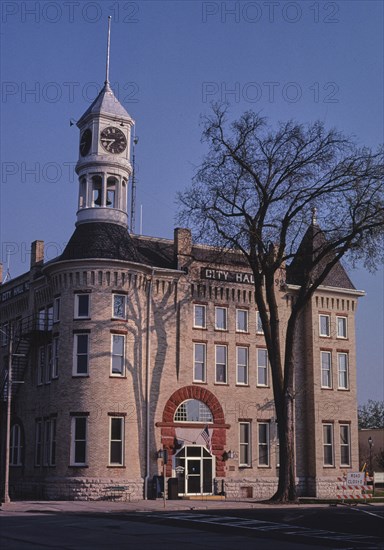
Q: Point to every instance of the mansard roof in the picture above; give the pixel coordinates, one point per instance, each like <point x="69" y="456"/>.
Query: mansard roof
<point x="313" y="242"/>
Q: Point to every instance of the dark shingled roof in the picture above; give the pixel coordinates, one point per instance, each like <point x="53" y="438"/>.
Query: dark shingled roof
<point x="112" y="241"/>
<point x="313" y="241"/>
<point x="101" y="240"/>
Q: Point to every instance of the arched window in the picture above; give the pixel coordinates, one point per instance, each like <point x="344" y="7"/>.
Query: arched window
<point x="96" y="191"/>
<point x="82" y="194"/>
<point x="193" y="410"/>
<point x="15" y="446"/>
<point x="111" y="192"/>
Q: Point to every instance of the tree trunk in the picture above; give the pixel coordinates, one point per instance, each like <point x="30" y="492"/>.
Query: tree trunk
<point x="286" y="490"/>
<point x="285" y="411"/>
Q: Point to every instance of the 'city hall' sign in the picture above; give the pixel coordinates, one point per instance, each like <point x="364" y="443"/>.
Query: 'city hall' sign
<point x="227" y="276"/>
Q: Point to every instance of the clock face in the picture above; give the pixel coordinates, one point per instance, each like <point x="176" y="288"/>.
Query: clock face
<point x="113" y="140"/>
<point x="85" y="142"/>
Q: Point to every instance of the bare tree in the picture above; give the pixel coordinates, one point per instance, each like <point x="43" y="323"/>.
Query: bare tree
<point x="256" y="191"/>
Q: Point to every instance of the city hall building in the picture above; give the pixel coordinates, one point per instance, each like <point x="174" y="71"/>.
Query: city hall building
<point x="127" y="345"/>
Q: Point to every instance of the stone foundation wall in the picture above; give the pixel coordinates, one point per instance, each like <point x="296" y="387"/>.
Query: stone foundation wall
<point x="256" y="488"/>
<point x="78" y="489"/>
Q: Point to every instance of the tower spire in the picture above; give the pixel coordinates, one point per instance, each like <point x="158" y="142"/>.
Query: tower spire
<point x="108" y="50"/>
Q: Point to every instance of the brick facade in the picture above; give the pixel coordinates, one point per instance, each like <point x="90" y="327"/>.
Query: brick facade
<point x="158" y="377"/>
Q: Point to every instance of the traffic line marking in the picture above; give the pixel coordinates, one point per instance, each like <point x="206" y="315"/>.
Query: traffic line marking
<point x="265" y="526"/>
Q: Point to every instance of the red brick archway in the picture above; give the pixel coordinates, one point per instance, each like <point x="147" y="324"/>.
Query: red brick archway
<point x="168" y="425"/>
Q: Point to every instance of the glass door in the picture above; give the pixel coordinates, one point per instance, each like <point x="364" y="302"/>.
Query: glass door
<point x="193" y="475"/>
<point x="194" y="468"/>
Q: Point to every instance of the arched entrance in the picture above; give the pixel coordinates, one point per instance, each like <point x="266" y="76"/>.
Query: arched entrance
<point x="193" y="430"/>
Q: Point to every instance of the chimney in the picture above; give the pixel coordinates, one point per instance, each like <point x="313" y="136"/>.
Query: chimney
<point x="182" y="246"/>
<point x="37" y="253"/>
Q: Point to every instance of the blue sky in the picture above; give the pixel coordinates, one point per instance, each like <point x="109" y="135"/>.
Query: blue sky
<point x="304" y="60"/>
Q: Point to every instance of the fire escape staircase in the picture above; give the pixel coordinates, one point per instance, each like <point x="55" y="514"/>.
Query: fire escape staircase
<point x="29" y="333"/>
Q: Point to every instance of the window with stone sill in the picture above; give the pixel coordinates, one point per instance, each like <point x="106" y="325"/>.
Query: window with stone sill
<point x="199" y="366"/>
<point x="82" y="306"/>
<point x="342" y="329"/>
<point x="79" y="440"/>
<point x="221" y="364"/>
<point x="241" y="320"/>
<point x="116" y="441"/>
<point x="242" y="366"/>
<point x="119" y="306"/>
<point x="326" y="369"/>
<point x="245" y="448"/>
<point x="118" y="355"/>
<point x="324" y="325"/>
<point x="263" y="444"/>
<point x="328" y="453"/>
<point x="221" y="318"/>
<point x="199" y="316"/>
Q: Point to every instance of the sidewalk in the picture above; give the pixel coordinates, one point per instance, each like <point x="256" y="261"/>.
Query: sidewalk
<point x="81" y="506"/>
<point x="107" y="506"/>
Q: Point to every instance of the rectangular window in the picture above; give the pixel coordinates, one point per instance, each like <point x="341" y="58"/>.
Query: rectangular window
<point x="328" y="444"/>
<point x="52" y="453"/>
<point x="263" y="431"/>
<point x="242" y="366"/>
<point x="119" y="306"/>
<point x="49" y="317"/>
<point x="38" y="442"/>
<point x="199" y="316"/>
<point x="81" y="351"/>
<point x="82" y="306"/>
<point x="342" y="367"/>
<point x="79" y="441"/>
<point x="326" y="369"/>
<point x="41" y="319"/>
<point x="341" y="323"/>
<point x="40" y="365"/>
<point x="245" y="444"/>
<point x="116" y="443"/>
<point x="221" y="364"/>
<point x="262" y="367"/>
<point x="118" y="355"/>
<point x="48" y="364"/>
<point x="324" y="325"/>
<point x="221" y="321"/>
<point x="15" y="446"/>
<point x="56" y="309"/>
<point x="345" y="445"/>
<point x="199" y="372"/>
<point x="55" y="357"/>
<point x="242" y="320"/>
<point x="259" y="325"/>
<point x="47" y="442"/>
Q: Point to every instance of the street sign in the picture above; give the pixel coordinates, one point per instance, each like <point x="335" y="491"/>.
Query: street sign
<point x="356" y="478"/>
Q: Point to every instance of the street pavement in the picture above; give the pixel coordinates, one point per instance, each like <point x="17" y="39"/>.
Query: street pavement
<point x="224" y="524"/>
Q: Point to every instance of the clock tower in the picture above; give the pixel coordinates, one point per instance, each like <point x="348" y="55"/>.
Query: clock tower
<point x="104" y="164"/>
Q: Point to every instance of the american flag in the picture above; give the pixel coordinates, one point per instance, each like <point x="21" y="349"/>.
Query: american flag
<point x="205" y="435"/>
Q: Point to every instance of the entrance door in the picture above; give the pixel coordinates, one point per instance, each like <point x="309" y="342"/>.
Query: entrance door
<point x="193" y="476"/>
<point x="194" y="470"/>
